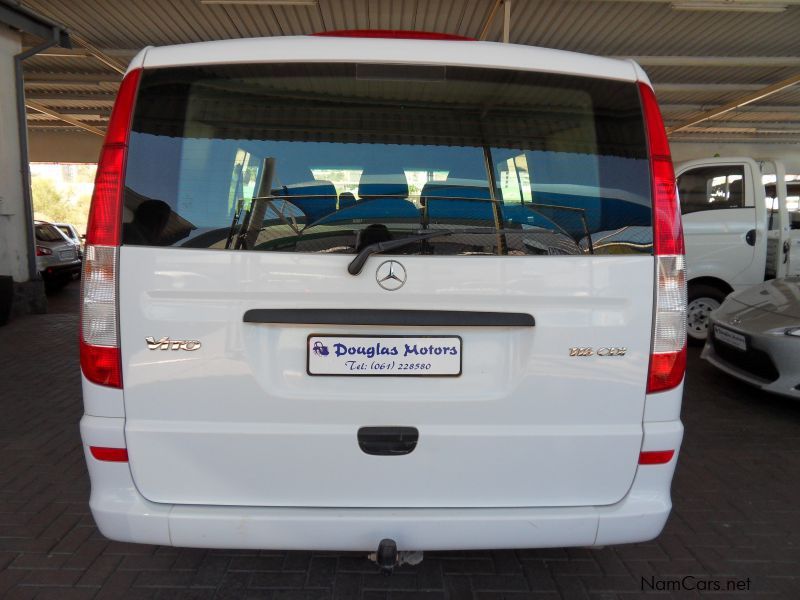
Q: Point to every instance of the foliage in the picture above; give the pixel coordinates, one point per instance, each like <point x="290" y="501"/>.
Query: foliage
<point x="60" y="201"/>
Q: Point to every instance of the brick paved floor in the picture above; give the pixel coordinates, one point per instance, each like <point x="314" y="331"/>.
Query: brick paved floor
<point x="736" y="515"/>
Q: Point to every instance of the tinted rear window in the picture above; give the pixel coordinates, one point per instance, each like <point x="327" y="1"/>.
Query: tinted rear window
<point x="328" y="157"/>
<point x="48" y="233"/>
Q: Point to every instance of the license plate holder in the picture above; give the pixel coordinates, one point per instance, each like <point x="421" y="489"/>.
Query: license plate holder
<point x="730" y="338"/>
<point x="384" y="355"/>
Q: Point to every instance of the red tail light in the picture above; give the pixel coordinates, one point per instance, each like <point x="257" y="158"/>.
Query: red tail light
<point x="105" y="215"/>
<point x="99" y="339"/>
<point x="668" y="353"/>
<point x="666" y="370"/>
<point x="101" y="365"/>
<point x="42" y="251"/>
<point x="394" y="34"/>
<point x="667" y="228"/>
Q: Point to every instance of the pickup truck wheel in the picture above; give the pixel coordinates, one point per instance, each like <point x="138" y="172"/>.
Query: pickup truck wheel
<point x="702" y="300"/>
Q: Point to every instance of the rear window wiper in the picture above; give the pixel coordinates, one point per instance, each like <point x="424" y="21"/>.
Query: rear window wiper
<point x="355" y="266"/>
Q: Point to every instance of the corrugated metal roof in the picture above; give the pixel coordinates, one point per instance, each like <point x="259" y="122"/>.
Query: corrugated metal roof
<point x="765" y="43"/>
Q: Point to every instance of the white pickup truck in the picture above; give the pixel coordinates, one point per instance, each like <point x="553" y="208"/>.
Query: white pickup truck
<point x="741" y="220"/>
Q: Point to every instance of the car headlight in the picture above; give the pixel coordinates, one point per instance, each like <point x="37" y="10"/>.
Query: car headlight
<point x="795" y="331"/>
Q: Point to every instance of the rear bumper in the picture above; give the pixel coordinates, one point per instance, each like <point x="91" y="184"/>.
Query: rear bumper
<point x="123" y="514"/>
<point x="778" y="351"/>
<point x="60" y="269"/>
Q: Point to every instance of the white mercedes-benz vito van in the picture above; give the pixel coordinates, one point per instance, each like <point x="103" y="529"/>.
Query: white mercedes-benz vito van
<point x="341" y="290"/>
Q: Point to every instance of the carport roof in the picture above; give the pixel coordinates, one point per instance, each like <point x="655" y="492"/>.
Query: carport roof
<point x="698" y="60"/>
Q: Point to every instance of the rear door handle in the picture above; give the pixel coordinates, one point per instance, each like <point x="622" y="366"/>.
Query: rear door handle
<point x="388" y="441"/>
<point x="750" y="237"/>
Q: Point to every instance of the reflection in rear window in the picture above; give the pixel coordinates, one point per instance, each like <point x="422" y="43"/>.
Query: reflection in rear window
<point x="48" y="233"/>
<point x="326" y="158"/>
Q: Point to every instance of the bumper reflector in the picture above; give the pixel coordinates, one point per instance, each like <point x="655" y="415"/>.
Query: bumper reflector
<point x="656" y="457"/>
<point x="109" y="454"/>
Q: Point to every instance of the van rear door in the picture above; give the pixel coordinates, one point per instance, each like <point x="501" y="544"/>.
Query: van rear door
<point x="259" y="371"/>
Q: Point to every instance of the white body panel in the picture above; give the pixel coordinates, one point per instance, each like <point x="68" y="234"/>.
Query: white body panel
<point x="398" y="51"/>
<point x="793" y="266"/>
<point x="716" y="244"/>
<point x="205" y="426"/>
<point x="122" y="513"/>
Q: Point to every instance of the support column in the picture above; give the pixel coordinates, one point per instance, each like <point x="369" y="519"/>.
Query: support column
<point x="15" y="234"/>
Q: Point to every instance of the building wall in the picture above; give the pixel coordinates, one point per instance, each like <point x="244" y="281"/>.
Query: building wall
<point x="74" y="146"/>
<point x="13" y="234"/>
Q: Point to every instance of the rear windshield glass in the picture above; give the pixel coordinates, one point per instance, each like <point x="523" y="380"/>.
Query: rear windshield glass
<point x="66" y="231"/>
<point x="48" y="233"/>
<point x="327" y="158"/>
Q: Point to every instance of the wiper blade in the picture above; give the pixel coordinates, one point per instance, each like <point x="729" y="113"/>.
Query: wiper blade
<point x="355" y="266"/>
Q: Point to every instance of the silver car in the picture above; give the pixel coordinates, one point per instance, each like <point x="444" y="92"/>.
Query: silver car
<point x="72" y="235"/>
<point x="755" y="336"/>
<point x="57" y="258"/>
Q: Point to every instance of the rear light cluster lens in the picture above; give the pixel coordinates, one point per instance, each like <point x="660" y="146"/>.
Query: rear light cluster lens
<point x="100" y="358"/>
<point x="668" y="355"/>
<point x="667" y="228"/>
<point x="668" y="358"/>
<point x="100" y="355"/>
<point x="99" y="323"/>
<point x="670" y="319"/>
<point x="104" y="215"/>
<point x="42" y="251"/>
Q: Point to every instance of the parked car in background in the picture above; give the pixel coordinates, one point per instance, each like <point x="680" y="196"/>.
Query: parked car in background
<point x="755" y="336"/>
<point x="57" y="257"/>
<point x="741" y="228"/>
<point x="72" y="233"/>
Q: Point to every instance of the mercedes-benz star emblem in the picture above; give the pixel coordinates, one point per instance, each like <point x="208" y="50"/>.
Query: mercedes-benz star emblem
<point x="391" y="275"/>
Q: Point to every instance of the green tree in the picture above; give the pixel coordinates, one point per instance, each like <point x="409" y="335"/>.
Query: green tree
<point x="50" y="203"/>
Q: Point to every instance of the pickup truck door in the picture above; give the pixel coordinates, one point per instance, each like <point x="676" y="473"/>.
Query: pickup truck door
<point x="778" y="221"/>
<point x="792" y="229"/>
<point x="724" y="220"/>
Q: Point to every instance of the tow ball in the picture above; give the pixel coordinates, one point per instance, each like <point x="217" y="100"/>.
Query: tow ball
<point x="387" y="557"/>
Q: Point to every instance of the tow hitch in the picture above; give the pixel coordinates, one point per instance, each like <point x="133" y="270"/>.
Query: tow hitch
<point x="387" y="557"/>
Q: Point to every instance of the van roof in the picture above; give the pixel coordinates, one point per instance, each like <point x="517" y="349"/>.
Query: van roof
<point x="399" y="51"/>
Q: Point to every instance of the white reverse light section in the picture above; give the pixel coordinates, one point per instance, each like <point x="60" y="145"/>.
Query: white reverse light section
<point x="99" y="296"/>
<point x="670" y="329"/>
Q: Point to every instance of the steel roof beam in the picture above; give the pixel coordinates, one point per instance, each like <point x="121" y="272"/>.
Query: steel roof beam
<point x="722" y="5"/>
<point x="20" y="18"/>
<point x="716" y="61"/>
<point x="751" y="108"/>
<point x="62" y="117"/>
<point x="68" y="78"/>
<point x="666" y="88"/>
<point x="757" y="95"/>
<point x="100" y="111"/>
<point x="72" y="96"/>
<point x="751" y="124"/>
<point x="123" y="53"/>
<point x="104" y="58"/>
<point x="490" y="17"/>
